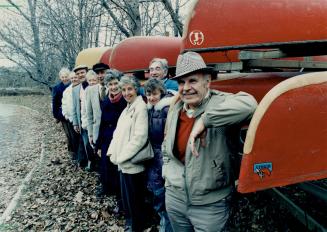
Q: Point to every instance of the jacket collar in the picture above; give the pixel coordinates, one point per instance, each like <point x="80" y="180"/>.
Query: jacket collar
<point x="165" y="101"/>
<point x="200" y="109"/>
<point x="131" y="107"/>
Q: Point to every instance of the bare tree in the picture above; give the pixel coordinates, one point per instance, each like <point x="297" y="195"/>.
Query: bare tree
<point x="31" y="51"/>
<point x="48" y="34"/>
<point x="178" y="26"/>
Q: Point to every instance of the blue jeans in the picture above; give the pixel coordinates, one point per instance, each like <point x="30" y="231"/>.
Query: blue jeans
<point x="159" y="207"/>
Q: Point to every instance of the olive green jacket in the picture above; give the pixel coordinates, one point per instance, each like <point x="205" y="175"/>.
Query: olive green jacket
<point x="207" y="178"/>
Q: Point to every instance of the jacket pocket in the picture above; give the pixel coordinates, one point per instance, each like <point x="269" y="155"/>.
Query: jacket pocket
<point x="208" y="179"/>
<point x="219" y="174"/>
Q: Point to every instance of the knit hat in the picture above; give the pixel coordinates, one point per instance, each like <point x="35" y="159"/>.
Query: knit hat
<point x="190" y="62"/>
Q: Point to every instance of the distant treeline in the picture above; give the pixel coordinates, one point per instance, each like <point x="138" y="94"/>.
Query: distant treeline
<point x="15" y="82"/>
<point x="21" y="91"/>
<point x="14" y="78"/>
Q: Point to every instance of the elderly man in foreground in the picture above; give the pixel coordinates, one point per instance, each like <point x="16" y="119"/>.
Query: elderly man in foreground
<point x="197" y="167"/>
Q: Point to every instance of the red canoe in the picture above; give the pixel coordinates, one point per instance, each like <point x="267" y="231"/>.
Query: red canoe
<point x="226" y="26"/>
<point x="286" y="141"/>
<point x="257" y="84"/>
<point x="135" y="53"/>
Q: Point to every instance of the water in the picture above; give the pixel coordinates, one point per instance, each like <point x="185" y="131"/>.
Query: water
<point x="6" y="111"/>
<point x="8" y="132"/>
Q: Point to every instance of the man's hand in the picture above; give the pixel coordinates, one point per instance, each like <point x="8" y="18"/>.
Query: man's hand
<point x="199" y="131"/>
<point x="91" y="140"/>
<point x="76" y="128"/>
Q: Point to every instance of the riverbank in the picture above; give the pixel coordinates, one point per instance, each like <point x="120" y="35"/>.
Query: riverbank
<point x="22" y="91"/>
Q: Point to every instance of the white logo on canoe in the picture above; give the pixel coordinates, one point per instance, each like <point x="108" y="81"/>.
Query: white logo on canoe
<point x="196" y="37"/>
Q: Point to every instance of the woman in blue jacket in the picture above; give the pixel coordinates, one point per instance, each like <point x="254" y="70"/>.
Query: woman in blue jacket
<point x="158" y="105"/>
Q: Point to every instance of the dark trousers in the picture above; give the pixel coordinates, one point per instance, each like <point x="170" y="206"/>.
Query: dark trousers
<point x="89" y="151"/>
<point x="81" y="153"/>
<point x="72" y="136"/>
<point x="109" y="175"/>
<point x="132" y="191"/>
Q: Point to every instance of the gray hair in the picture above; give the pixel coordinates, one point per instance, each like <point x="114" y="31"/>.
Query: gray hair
<point x="129" y="80"/>
<point x="64" y="71"/>
<point x="112" y="74"/>
<point x="71" y="74"/>
<point x="153" y="84"/>
<point x="163" y="62"/>
<point x="91" y="74"/>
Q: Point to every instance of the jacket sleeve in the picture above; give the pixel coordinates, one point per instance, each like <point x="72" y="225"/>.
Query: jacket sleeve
<point x="97" y="116"/>
<point x="64" y="104"/>
<point x="138" y="136"/>
<point x="56" y="104"/>
<point x="235" y="108"/>
<point x="74" y="106"/>
<point x="89" y="111"/>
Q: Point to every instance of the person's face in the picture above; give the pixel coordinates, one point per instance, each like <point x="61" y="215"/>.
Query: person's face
<point x="129" y="93"/>
<point x="93" y="80"/>
<point x="193" y="89"/>
<point x="156" y="71"/>
<point x="113" y="87"/>
<point x="64" y="78"/>
<point x="101" y="75"/>
<point x="74" y="79"/>
<point x="81" y="75"/>
<point x="154" y="96"/>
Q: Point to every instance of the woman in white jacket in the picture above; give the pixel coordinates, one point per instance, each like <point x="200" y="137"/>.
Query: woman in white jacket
<point x="129" y="137"/>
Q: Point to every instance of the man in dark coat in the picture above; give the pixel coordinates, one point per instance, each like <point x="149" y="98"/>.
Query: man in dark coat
<point x="57" y="92"/>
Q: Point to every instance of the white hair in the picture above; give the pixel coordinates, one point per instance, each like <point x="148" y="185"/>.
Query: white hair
<point x="163" y="62"/>
<point x="64" y="72"/>
<point x="91" y="74"/>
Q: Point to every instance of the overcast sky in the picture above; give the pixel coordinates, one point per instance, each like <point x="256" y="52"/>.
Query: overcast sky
<point x="8" y="15"/>
<point x="3" y="10"/>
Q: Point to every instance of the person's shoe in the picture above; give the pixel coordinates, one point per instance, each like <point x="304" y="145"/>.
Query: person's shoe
<point x="101" y="193"/>
<point x="128" y="228"/>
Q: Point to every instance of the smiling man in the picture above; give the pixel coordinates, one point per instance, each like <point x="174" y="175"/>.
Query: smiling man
<point x="197" y="168"/>
<point x="158" y="69"/>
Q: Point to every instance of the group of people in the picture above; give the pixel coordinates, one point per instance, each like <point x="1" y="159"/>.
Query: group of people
<point x="189" y="179"/>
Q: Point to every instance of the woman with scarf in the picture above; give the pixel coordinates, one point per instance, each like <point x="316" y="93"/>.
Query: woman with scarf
<point x="111" y="107"/>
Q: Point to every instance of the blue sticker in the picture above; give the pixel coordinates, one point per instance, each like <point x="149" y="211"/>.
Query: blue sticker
<point x="263" y="169"/>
